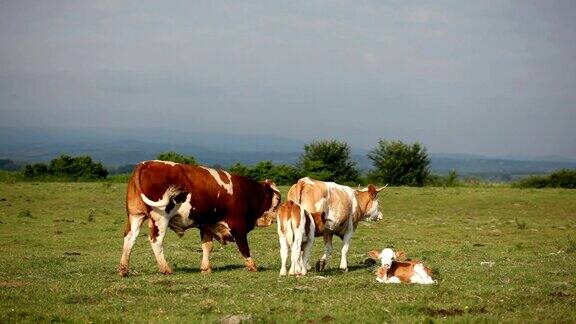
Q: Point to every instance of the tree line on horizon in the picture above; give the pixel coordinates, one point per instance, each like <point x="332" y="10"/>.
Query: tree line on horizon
<point x="395" y="163"/>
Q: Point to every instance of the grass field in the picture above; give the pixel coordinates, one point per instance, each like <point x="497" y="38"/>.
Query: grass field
<point x="61" y="245"/>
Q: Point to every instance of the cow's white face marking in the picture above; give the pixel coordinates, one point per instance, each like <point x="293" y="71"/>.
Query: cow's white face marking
<point x="170" y="163"/>
<point x="227" y="186"/>
<point x="386" y="257"/>
<point x="373" y="213"/>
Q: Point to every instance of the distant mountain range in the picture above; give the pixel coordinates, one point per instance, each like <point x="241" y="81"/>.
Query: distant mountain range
<point x="120" y="147"/>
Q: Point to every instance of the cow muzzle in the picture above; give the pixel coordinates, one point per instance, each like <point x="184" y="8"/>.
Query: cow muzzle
<point x="267" y="219"/>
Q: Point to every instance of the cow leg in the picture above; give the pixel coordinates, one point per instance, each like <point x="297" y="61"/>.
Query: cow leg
<point x="306" y="251"/>
<point x="207" y="245"/>
<point x="283" y="252"/>
<point x="130" y="235"/>
<point x="346" y="244"/>
<point x="158" y="226"/>
<point x="295" y="252"/>
<point x="242" y="243"/>
<point x="321" y="265"/>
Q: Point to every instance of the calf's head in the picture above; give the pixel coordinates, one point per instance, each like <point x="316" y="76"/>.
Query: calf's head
<point x="272" y="197"/>
<point x="386" y="256"/>
<point x="368" y="200"/>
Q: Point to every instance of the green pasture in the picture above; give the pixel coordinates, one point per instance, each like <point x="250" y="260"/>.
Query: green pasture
<point x="500" y="255"/>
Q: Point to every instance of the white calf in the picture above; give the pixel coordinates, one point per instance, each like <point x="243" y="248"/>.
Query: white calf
<point x="296" y="230"/>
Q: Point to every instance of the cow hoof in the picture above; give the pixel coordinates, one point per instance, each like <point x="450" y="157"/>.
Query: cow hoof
<point x="344" y="270"/>
<point x="166" y="271"/>
<point x="207" y="270"/>
<point x="251" y="266"/>
<point x="320" y="265"/>
<point x="123" y="270"/>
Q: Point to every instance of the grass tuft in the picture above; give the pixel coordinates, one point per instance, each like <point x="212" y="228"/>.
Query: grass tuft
<point x="25" y="213"/>
<point x="571" y="245"/>
<point x="91" y="216"/>
<point x="520" y="224"/>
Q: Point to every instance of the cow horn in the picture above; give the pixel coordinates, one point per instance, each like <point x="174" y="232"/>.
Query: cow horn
<point x="378" y="190"/>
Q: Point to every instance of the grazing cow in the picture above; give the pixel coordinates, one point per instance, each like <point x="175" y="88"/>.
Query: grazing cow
<point x="395" y="271"/>
<point x="297" y="229"/>
<point x="181" y="196"/>
<point x="343" y="207"/>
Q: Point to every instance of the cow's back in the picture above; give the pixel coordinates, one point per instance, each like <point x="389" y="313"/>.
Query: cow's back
<point x="310" y="194"/>
<point x="211" y="194"/>
<point x="215" y="195"/>
<point x="336" y="201"/>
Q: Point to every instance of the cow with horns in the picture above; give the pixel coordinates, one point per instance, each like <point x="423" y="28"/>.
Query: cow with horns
<point x="180" y="196"/>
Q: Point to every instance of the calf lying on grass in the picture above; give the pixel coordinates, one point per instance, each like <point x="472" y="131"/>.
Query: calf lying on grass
<point x="395" y="271"/>
<point x="297" y="229"/>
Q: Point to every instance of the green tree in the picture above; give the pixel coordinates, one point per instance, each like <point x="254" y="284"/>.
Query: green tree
<point x="76" y="168"/>
<point x="281" y="174"/>
<point x="398" y="163"/>
<point x="176" y="157"/>
<point x="329" y="160"/>
<point x="240" y="169"/>
<point x="35" y="170"/>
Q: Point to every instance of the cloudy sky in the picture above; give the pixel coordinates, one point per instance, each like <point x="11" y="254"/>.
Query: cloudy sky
<point x="485" y="77"/>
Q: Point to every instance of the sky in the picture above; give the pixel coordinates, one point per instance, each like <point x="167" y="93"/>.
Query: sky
<point x="495" y="78"/>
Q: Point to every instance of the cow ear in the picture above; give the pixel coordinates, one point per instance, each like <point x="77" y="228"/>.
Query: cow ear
<point x="272" y="185"/>
<point x="374" y="255"/>
<point x="400" y="255"/>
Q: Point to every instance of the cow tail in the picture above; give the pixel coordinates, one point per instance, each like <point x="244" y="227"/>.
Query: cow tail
<point x="299" y="189"/>
<point x="289" y="234"/>
<point x="136" y="177"/>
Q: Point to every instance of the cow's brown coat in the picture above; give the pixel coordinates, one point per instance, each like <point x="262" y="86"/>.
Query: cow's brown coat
<point x="248" y="206"/>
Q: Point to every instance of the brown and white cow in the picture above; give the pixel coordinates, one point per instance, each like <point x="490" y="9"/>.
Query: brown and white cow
<point x="181" y="196"/>
<point x="296" y="231"/>
<point x="395" y="269"/>
<point x="343" y="206"/>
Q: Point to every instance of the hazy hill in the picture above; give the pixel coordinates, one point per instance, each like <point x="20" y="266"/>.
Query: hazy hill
<point x="119" y="147"/>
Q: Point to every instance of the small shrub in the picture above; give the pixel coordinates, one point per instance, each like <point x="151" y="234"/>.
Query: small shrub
<point x="281" y="174"/>
<point x="451" y="180"/>
<point x="177" y="158"/>
<point x="564" y="178"/>
<point x="65" y="168"/>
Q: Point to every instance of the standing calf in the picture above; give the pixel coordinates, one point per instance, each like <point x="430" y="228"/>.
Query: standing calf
<point x="297" y="229"/>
